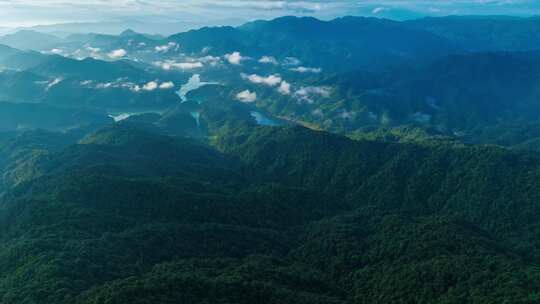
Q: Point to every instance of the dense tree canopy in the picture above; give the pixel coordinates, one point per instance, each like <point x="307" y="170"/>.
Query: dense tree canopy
<point x="266" y="215"/>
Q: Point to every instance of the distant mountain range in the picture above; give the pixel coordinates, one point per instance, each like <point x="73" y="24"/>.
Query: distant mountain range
<point x="291" y="161"/>
<point x="456" y="75"/>
<point x="485" y="33"/>
<point x="116" y="27"/>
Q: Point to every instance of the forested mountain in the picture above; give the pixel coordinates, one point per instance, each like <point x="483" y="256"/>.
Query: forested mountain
<point x="29" y="40"/>
<point x="365" y="43"/>
<point x="342" y="75"/>
<point x="272" y="215"/>
<point x="6" y="51"/>
<point x="356" y="160"/>
<point x="485" y="33"/>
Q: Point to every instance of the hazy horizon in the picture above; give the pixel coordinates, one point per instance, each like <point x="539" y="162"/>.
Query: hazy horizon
<point x="25" y="13"/>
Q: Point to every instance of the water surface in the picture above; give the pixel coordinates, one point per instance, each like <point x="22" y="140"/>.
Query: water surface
<point x="193" y="84"/>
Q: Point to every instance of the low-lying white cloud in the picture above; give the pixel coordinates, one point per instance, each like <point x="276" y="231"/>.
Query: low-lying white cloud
<point x="170" y="65"/>
<point x="93" y="49"/>
<point x="171" y="46"/>
<point x="53" y="83"/>
<point x="322" y="91"/>
<point x="235" y="58"/>
<point x="284" y="88"/>
<point x="268" y="60"/>
<point x="166" y="85"/>
<point x="302" y="69"/>
<point x="150" y="86"/>
<point x="211" y="60"/>
<point x="117" y="54"/>
<point x="292" y="61"/>
<point x="95" y="52"/>
<point x="120" y="83"/>
<point x="206" y="49"/>
<point x="271" y="81"/>
<point x="86" y="83"/>
<point x="247" y="96"/>
<point x="123" y="83"/>
<point x="50" y="83"/>
<point x="154" y="85"/>
<point x="57" y="51"/>
<point x="306" y="94"/>
<point x="188" y="65"/>
<point x="378" y="10"/>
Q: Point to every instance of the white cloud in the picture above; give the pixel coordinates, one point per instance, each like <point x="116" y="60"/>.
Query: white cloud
<point x="50" y="83"/>
<point x="292" y="61"/>
<point x="171" y="46"/>
<point x="102" y="86"/>
<point x="120" y="83"/>
<point x="268" y="60"/>
<point x="95" y="52"/>
<point x="284" y="88"/>
<point x="166" y="85"/>
<point x="188" y="65"/>
<point x="246" y="96"/>
<point x="235" y="58"/>
<point x="306" y="70"/>
<point x="53" y="82"/>
<point x="57" y="51"/>
<point x="116" y="54"/>
<point x="86" y="83"/>
<point x="211" y="60"/>
<point x="378" y="10"/>
<point x="169" y="65"/>
<point x="306" y="94"/>
<point x="152" y="85"/>
<point x="206" y="49"/>
<point x="271" y="81"/>
<point x="93" y="49"/>
<point x="322" y="91"/>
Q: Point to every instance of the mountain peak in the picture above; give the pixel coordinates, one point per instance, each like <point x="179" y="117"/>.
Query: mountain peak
<point x="129" y="33"/>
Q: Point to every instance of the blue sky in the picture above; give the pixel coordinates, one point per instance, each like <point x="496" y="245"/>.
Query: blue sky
<point x="32" y="12"/>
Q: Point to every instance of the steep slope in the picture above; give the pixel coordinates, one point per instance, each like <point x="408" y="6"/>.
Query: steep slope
<point x="463" y="95"/>
<point x="23" y="60"/>
<point x="460" y="92"/>
<point x="58" y="66"/>
<point x="30" y="40"/>
<point x="6" y="51"/>
<point x="31" y="116"/>
<point x="32" y="77"/>
<point x="485" y="33"/>
<point x="286" y="215"/>
<point x="340" y="44"/>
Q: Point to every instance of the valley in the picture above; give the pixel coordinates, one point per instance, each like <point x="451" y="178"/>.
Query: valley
<point x="135" y="73"/>
<point x="292" y="160"/>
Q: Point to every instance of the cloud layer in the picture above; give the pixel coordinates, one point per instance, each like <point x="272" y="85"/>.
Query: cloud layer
<point x="246" y="96"/>
<point x="31" y="12"/>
